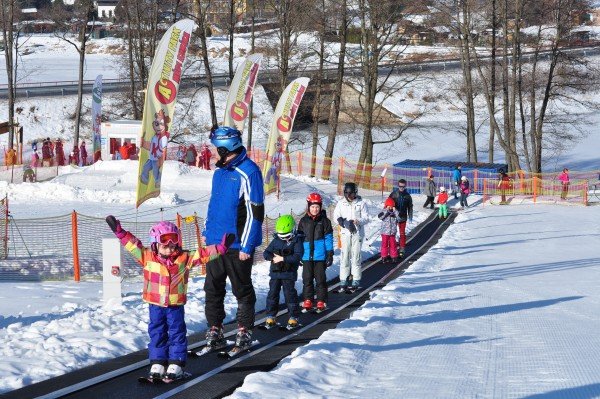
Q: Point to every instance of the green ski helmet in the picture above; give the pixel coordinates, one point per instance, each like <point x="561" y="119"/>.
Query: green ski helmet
<point x="284" y="226"/>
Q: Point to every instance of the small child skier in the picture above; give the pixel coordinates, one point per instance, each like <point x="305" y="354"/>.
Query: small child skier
<point x="285" y="252"/>
<point x="166" y="270"/>
<point x="318" y="252"/>
<point x="389" y="226"/>
<point x="442" y="200"/>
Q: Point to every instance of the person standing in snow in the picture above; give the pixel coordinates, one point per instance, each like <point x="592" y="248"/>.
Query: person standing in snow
<point x="456" y="175"/>
<point x="464" y="191"/>
<point x="60" y="153"/>
<point x="205" y="156"/>
<point x="351" y="215"/>
<point x="236" y="204"/>
<point x="564" y="181"/>
<point x="389" y="226"/>
<point x="430" y="191"/>
<point x="318" y="252"/>
<point x="46" y="154"/>
<point x="404" y="205"/>
<point x="285" y="253"/>
<point x="503" y="185"/>
<point x="442" y="201"/>
<point x="166" y="270"/>
<point x="35" y="160"/>
<point x="83" y="153"/>
<point x="190" y="155"/>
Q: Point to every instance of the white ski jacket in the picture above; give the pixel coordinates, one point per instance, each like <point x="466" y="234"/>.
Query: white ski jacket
<point x="355" y="210"/>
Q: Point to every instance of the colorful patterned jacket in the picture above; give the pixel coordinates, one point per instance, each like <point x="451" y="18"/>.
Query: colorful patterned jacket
<point x="166" y="280"/>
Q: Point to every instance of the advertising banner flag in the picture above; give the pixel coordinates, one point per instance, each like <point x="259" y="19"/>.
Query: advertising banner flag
<point x="240" y="94"/>
<point x="281" y="129"/>
<point x="96" y="118"/>
<point x="161" y="93"/>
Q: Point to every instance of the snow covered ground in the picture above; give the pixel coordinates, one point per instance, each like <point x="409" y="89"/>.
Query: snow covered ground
<point x="505" y="305"/>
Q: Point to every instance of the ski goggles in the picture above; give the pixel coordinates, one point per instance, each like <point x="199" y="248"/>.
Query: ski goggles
<point x="169" y="238"/>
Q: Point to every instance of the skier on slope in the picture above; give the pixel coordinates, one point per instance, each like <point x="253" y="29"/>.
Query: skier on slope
<point x="166" y="271"/>
<point x="285" y="252"/>
<point x="351" y="214"/>
<point x="236" y="204"/>
<point x="404" y="206"/>
<point x="318" y="252"/>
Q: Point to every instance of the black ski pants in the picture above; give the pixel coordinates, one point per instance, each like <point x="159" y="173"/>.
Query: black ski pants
<point x="240" y="276"/>
<point x="429" y="202"/>
<point x="314" y="271"/>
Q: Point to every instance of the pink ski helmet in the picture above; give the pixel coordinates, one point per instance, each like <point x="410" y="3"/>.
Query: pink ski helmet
<point x="165" y="233"/>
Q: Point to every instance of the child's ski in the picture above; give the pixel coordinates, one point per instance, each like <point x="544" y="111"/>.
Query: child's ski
<point x="164" y="380"/>
<point x="236" y="350"/>
<point x="209" y="348"/>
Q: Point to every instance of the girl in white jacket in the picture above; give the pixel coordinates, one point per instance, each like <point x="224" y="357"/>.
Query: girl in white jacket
<point x="351" y="214"/>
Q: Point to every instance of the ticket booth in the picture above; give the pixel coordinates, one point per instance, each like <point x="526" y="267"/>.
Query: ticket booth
<point x="116" y="134"/>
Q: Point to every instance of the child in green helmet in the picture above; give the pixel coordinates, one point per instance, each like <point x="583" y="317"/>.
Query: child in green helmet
<point x="285" y="253"/>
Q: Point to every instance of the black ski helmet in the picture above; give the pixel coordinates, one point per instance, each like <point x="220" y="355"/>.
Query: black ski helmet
<point x="350" y="189"/>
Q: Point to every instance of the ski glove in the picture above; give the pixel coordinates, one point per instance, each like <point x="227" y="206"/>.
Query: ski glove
<point x="350" y="226"/>
<point x="341" y="221"/>
<point x="226" y="242"/>
<point x="329" y="260"/>
<point x="115" y="226"/>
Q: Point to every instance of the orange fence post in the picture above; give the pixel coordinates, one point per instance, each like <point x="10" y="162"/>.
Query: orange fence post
<point x="76" y="268"/>
<point x="197" y="228"/>
<point x="534" y="183"/>
<point x="585" y="192"/>
<point x="300" y="164"/>
<point x="475" y="174"/>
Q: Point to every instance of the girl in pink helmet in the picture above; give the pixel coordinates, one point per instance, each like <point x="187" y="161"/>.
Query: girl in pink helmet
<point x="166" y="270"/>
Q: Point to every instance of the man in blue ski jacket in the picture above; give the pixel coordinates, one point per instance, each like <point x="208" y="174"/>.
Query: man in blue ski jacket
<point x="456" y="175"/>
<point x="236" y="206"/>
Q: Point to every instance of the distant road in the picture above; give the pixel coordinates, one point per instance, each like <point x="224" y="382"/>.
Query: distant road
<point x="49" y="89"/>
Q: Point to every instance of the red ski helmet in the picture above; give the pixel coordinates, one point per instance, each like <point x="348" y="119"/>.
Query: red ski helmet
<point x="314" y="198"/>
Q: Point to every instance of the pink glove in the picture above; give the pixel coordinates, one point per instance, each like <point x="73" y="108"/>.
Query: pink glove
<point x="226" y="242"/>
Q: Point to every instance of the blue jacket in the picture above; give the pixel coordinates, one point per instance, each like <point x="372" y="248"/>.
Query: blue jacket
<point x="291" y="251"/>
<point x="318" y="236"/>
<point x="456" y="175"/>
<point x="236" y="204"/>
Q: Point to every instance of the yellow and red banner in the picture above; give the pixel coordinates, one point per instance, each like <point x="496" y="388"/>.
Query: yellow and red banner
<point x="281" y="129"/>
<point x="240" y="94"/>
<point x="161" y="93"/>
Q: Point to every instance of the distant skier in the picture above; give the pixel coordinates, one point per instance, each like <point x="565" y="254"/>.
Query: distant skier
<point x="83" y="153"/>
<point x="166" y="270"/>
<point x="456" y="175"/>
<point x="430" y="190"/>
<point x="389" y="226"/>
<point x="60" y="153"/>
<point x="442" y="200"/>
<point x="404" y="205"/>
<point x="285" y="252"/>
<point x="465" y="189"/>
<point x="351" y="214"/>
<point x="318" y="252"/>
<point x="564" y="181"/>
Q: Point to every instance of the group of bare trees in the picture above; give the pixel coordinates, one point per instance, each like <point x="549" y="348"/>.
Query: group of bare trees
<point x="514" y="54"/>
<point x="521" y="68"/>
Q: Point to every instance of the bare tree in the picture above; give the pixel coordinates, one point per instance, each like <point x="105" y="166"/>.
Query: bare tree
<point x="342" y="17"/>
<point x="66" y="25"/>
<point x="8" y="16"/>
<point x="199" y="11"/>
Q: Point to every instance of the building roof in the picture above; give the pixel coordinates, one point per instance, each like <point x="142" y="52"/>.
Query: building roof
<point x="449" y="165"/>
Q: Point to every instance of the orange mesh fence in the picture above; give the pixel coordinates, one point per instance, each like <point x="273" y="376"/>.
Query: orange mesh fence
<point x="536" y="190"/>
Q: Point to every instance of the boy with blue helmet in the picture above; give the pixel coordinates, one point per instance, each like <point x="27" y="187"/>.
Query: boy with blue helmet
<point x="236" y="204"/>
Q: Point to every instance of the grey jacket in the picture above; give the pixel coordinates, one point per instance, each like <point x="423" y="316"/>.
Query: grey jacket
<point x="430" y="189"/>
<point x="389" y="222"/>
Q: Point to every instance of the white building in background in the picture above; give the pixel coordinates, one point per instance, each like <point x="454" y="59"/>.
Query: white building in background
<point x="106" y="8"/>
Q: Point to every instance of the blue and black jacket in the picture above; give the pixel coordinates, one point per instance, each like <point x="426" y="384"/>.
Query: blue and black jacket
<point x="291" y="251"/>
<point x="318" y="238"/>
<point x="237" y="204"/>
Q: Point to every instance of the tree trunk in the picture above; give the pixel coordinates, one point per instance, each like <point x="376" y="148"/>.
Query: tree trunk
<point x="8" y="17"/>
<point x="252" y="42"/>
<point x="337" y="94"/>
<point x="200" y="15"/>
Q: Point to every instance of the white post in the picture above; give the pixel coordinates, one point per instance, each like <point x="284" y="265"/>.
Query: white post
<point x="111" y="272"/>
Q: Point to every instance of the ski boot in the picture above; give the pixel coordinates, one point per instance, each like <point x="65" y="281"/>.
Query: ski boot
<point x="243" y="339"/>
<point x="292" y="323"/>
<point x="174" y="372"/>
<point x="307" y="306"/>
<point x="270" y="322"/>
<point x="321" y="306"/>
<point x="157" y="372"/>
